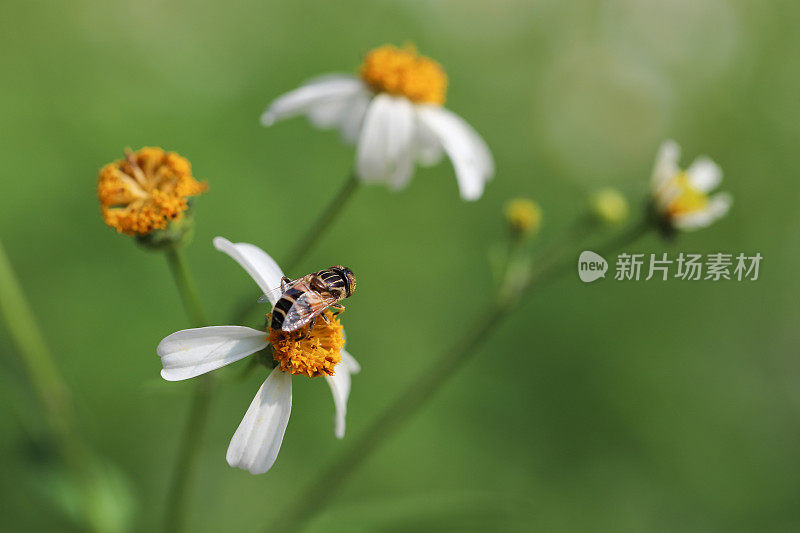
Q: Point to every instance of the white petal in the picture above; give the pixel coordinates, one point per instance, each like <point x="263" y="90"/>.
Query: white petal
<point x="704" y="174"/>
<point x="257" y="441"/>
<point x="429" y="149"/>
<point x="718" y="206"/>
<point x="347" y="111"/>
<point x="315" y="92"/>
<point x="261" y="267"/>
<point x="350" y="361"/>
<point x="352" y="118"/>
<point x="666" y="194"/>
<point x="385" y="147"/>
<point x="191" y="352"/>
<point x="692" y="221"/>
<point x="471" y="158"/>
<point x="340" y="388"/>
<point x="666" y="165"/>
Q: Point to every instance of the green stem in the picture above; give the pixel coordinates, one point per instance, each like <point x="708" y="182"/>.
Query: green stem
<point x="48" y="385"/>
<point x="175" y="515"/>
<point x="423" y="388"/>
<point x="322" y="223"/>
<point x="186" y="287"/>
<point x="314" y="233"/>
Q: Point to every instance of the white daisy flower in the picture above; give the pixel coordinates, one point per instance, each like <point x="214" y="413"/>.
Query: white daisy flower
<point x="393" y="113"/>
<point x="681" y="197"/>
<point x="192" y="352"/>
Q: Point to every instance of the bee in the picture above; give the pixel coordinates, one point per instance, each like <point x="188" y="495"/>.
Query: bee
<point x="304" y="299"/>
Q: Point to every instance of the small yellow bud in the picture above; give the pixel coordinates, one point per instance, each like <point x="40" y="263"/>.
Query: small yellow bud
<point x="524" y="216"/>
<point x="609" y="206"/>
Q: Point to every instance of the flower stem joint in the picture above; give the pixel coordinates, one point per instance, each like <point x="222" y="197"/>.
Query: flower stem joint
<point x="148" y="195"/>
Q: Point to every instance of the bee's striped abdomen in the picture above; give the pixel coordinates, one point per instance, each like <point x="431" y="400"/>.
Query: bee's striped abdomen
<point x="282" y="307"/>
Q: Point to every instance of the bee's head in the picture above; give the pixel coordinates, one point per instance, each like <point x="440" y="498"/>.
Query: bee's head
<point x="348" y="277"/>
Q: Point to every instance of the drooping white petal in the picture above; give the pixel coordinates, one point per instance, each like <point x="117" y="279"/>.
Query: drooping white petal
<point x="261" y="267"/>
<point x="257" y="441"/>
<point x="340" y="388"/>
<point x="351" y="362"/>
<point x="718" y="206"/>
<point x="704" y="174"/>
<point x="344" y="113"/>
<point x="314" y="93"/>
<point x="385" y="146"/>
<point x="191" y="352"/>
<point x="666" y="165"/>
<point x="471" y="158"/>
<point x="352" y="118"/>
<point x="429" y="149"/>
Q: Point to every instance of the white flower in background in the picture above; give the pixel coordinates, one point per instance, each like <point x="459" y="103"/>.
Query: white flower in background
<point x="192" y="352"/>
<point x="681" y="197"/>
<point x="393" y="113"/>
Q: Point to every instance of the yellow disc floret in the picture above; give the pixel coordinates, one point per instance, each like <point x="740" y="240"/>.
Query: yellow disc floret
<point x="688" y="199"/>
<point x="146" y="190"/>
<point x="403" y="72"/>
<point x="312" y="352"/>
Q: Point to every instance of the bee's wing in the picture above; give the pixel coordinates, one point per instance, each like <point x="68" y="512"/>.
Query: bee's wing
<point x="275" y="294"/>
<point x="307" y="306"/>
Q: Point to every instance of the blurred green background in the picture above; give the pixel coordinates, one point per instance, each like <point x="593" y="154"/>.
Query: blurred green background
<point x="658" y="406"/>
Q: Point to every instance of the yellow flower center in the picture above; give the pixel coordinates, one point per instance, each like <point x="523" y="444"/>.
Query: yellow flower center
<point x="146" y="190"/>
<point x="689" y="200"/>
<point x="403" y="72"/>
<point x="311" y="353"/>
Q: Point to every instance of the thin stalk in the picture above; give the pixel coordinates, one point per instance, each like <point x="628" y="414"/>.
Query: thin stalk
<point x="48" y="385"/>
<point x="322" y="223"/>
<point x="307" y="242"/>
<point x="186" y="286"/>
<point x="189" y="449"/>
<point x="510" y="293"/>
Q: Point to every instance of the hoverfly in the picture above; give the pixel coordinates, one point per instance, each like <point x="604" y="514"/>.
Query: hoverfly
<point x="304" y="299"/>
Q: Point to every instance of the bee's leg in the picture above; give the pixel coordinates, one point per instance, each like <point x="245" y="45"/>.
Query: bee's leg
<point x="337" y="309"/>
<point x="325" y="318"/>
<point x="305" y="332"/>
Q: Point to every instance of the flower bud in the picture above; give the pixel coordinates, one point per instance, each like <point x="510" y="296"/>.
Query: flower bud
<point x="523" y="216"/>
<point x="609" y="206"/>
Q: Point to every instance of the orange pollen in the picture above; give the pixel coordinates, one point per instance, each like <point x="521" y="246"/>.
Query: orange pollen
<point x="312" y="353"/>
<point x="146" y="190"/>
<point x="403" y="72"/>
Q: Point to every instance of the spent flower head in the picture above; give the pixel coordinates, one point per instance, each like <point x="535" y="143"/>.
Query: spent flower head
<point x="317" y="351"/>
<point x="146" y="191"/>
<point x="392" y="111"/>
<point x="681" y="198"/>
